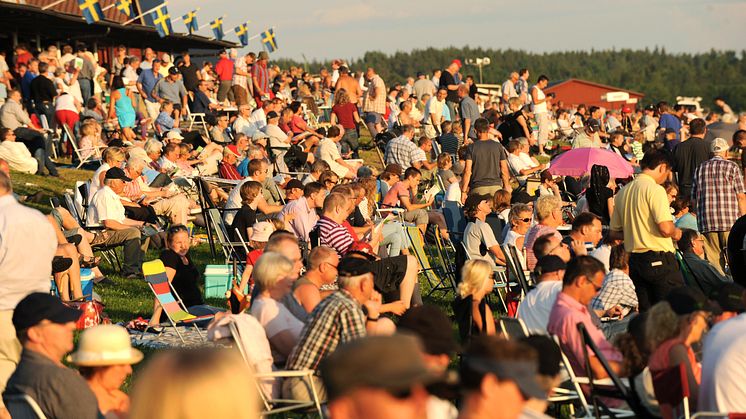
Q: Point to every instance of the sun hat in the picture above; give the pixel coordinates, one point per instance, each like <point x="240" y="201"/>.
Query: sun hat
<point x="105" y="344"/>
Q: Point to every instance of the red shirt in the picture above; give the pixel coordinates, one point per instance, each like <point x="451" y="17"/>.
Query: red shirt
<point x="346" y="115"/>
<point x="229" y="171"/>
<point x="224" y="69"/>
<point x="298" y="125"/>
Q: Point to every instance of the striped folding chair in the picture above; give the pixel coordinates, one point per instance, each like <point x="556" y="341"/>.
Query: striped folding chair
<point x="168" y="298"/>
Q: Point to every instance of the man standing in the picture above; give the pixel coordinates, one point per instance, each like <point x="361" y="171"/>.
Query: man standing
<point x="87" y="73"/>
<point x="145" y="84"/>
<point x="374" y="102"/>
<point x="43" y="93"/>
<point x="189" y="71"/>
<point x="689" y="155"/>
<point x="448" y="81"/>
<point x="224" y="70"/>
<point x="469" y="112"/>
<point x="260" y="79"/>
<point x="509" y="91"/>
<point x="23" y="230"/>
<point x="642" y="218"/>
<point x="240" y="80"/>
<point x="719" y="192"/>
<point x="44" y="327"/>
<point x="423" y="86"/>
<point x="486" y="170"/>
<point x="541" y="111"/>
<point x="171" y="89"/>
<point x="521" y="86"/>
<point x="349" y="84"/>
<point x="669" y="121"/>
<point x="434" y="114"/>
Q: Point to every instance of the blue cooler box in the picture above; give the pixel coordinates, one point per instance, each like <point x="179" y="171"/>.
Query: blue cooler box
<point x="86" y="282"/>
<point x="217" y="280"/>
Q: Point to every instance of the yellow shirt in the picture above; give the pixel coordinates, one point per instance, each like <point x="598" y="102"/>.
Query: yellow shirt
<point x="638" y="208"/>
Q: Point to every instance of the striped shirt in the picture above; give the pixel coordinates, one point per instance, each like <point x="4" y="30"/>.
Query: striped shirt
<point x="229" y="171"/>
<point x="717" y="184"/>
<point x="260" y="74"/>
<point x="336" y="320"/>
<point x="334" y="235"/>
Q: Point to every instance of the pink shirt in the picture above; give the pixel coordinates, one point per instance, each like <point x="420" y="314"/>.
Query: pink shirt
<point x="563" y="320"/>
<point x="392" y="197"/>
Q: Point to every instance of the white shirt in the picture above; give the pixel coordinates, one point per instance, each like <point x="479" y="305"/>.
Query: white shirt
<point x="23" y="230"/>
<point x="18" y="157"/>
<point x="105" y="205"/>
<point x="275" y="318"/>
<point x="95" y="184"/>
<point x="234" y="201"/>
<point x="724" y="367"/>
<point x="257" y="120"/>
<point x="603" y="254"/>
<point x="540" y="107"/>
<point x="329" y="153"/>
<point x="535" y="308"/>
<point x="244" y="126"/>
<point x="65" y="102"/>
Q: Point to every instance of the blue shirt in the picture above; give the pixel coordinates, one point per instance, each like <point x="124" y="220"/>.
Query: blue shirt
<point x="26" y="84"/>
<point x="200" y="104"/>
<point x="148" y="80"/>
<point x="668" y="120"/>
<point x="165" y="122"/>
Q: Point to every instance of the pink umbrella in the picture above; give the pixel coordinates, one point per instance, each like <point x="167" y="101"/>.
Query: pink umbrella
<point x="578" y="162"/>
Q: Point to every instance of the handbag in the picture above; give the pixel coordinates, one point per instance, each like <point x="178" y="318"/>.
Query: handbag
<point x="92" y="313"/>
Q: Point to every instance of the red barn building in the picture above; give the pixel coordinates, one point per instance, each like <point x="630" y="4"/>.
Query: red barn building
<point x="573" y="92"/>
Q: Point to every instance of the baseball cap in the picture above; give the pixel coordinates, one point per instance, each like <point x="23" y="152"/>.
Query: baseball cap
<point x="626" y="109"/>
<point x="432" y="326"/>
<point x="522" y="373"/>
<point x="156" y="61"/>
<point x="173" y="71"/>
<point x="392" y="363"/>
<point x="473" y="200"/>
<point x="272" y="115"/>
<point x="549" y="263"/>
<point x="687" y="300"/>
<point x="174" y="135"/>
<point x="117" y="173"/>
<point x="420" y="74"/>
<point x="263" y="55"/>
<point x="457" y="62"/>
<point x="549" y="354"/>
<point x="593" y="125"/>
<point x="352" y="266"/>
<point x="650" y="108"/>
<point x="38" y="306"/>
<point x="719" y="145"/>
<point x="730" y="297"/>
<point x="294" y="184"/>
<point x="232" y="149"/>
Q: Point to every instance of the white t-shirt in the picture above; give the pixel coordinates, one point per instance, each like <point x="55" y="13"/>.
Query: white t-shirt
<point x="535" y="308"/>
<point x="275" y="318"/>
<point x="65" y="102"/>
<point x="541" y="107"/>
<point x="518" y="164"/>
<point x="724" y="367"/>
<point x="234" y="201"/>
<point x="329" y="153"/>
<point x="277" y="136"/>
<point x="18" y="157"/>
<point x="105" y="205"/>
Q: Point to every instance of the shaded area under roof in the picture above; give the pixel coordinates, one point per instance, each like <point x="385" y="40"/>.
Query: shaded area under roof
<point x="52" y="26"/>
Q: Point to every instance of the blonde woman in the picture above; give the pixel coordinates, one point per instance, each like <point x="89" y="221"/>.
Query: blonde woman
<point x="274" y="276"/>
<point x="195" y="383"/>
<point x="473" y="316"/>
<point x="104" y="358"/>
<point x="671" y="328"/>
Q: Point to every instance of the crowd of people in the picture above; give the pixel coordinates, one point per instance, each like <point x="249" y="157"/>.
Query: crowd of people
<point x="329" y="273"/>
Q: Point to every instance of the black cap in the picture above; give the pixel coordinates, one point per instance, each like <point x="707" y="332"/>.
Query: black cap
<point x="173" y="71"/>
<point x="593" y="125"/>
<point x="650" y="108"/>
<point x="294" y="184"/>
<point x="352" y="266"/>
<point x="549" y="263"/>
<point x="39" y="306"/>
<point x="549" y="354"/>
<point x="272" y="114"/>
<point x="117" y="173"/>
<point x="420" y="74"/>
<point x="156" y="60"/>
<point x="473" y="200"/>
<point x="687" y="300"/>
<point x="730" y="297"/>
<point x="433" y="328"/>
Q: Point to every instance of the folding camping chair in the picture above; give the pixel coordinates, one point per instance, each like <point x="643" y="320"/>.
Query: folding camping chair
<point x="671" y="387"/>
<point x="23" y="406"/>
<point x="273" y="405"/>
<point x="515" y="268"/>
<point x="455" y="220"/>
<point x="418" y="250"/>
<point x="169" y="300"/>
<point x="221" y="233"/>
<point x="196" y="118"/>
<point x="512" y="327"/>
<point x="95" y="152"/>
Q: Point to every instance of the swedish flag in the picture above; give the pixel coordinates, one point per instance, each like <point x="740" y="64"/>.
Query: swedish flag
<point x="268" y="40"/>
<point x="217" y="28"/>
<point x="125" y="6"/>
<point x="243" y="36"/>
<point x="162" y="21"/>
<point x="91" y="10"/>
<point x="190" y="20"/>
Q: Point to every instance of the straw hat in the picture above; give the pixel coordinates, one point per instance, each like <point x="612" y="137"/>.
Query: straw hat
<point x="104" y="345"/>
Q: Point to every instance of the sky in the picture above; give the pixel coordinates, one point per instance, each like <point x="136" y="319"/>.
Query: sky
<point x="326" y="29"/>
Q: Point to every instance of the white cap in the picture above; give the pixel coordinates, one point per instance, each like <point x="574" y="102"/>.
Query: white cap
<point x="174" y="134"/>
<point x="719" y="145"/>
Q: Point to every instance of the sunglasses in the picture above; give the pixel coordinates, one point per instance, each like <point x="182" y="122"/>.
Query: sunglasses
<point x="525" y="220"/>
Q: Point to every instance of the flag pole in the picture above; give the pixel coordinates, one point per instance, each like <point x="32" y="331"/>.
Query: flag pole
<point x="145" y="13"/>
<point x="50" y="5"/>
<point x="108" y="7"/>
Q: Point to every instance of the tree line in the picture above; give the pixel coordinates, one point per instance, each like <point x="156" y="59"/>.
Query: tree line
<point x="656" y="73"/>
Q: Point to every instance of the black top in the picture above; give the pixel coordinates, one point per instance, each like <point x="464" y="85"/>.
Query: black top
<point x="600" y="205"/>
<point x="186" y="279"/>
<point x="189" y="73"/>
<point x="486" y="156"/>
<point x="245" y="218"/>
<point x="687" y="156"/>
<point x="201" y="103"/>
<point x="473" y="91"/>
<point x="42" y="89"/>
<point x="736" y="259"/>
<point x="464" y="319"/>
<point x="447" y="79"/>
<point x="356" y="219"/>
<point x="510" y="128"/>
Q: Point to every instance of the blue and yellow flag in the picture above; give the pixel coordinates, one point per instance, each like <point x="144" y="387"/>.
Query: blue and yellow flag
<point x="269" y="41"/>
<point x="162" y="21"/>
<point x="241" y="32"/>
<point x="91" y="10"/>
<point x="190" y="20"/>
<point x="217" y="28"/>
<point x="125" y="6"/>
